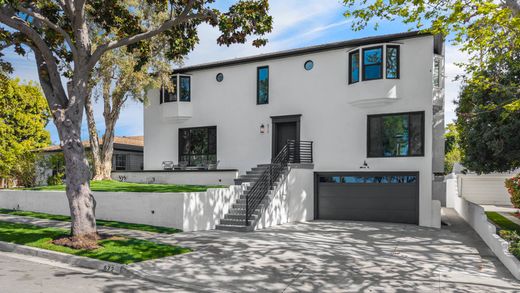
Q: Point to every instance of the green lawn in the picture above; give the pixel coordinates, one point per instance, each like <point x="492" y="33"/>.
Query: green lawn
<point x="124" y="251"/>
<point x="116" y="186"/>
<point x="130" y="226"/>
<point x="502" y="222"/>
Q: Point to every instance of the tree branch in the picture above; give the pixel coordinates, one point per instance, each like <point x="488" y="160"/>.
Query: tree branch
<point x="52" y="25"/>
<point x="514" y="5"/>
<point x="184" y="16"/>
<point x="10" y="19"/>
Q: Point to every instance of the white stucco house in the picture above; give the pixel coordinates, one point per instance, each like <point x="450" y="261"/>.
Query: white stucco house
<point x="364" y="119"/>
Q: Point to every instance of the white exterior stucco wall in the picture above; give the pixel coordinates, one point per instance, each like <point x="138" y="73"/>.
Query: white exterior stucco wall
<point x="331" y="115"/>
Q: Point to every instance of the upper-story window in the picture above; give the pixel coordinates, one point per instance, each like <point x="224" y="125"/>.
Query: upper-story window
<point x="437" y="82"/>
<point x="182" y="84"/>
<point x="262" y="85"/>
<point x="353" y="72"/>
<point x="373" y="63"/>
<point x="392" y="62"/>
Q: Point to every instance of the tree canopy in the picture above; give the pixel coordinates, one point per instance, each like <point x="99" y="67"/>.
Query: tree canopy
<point x="23" y="116"/>
<point x="488" y="126"/>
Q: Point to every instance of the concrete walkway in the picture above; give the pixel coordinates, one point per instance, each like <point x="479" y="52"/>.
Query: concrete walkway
<point x="331" y="256"/>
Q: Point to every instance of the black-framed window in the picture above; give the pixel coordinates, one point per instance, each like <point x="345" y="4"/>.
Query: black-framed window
<point x="198" y="146"/>
<point x="184" y="89"/>
<point x="262" y="85"/>
<point x="373" y="63"/>
<point x="392" y="62"/>
<point x="436" y="72"/>
<point x="395" y="135"/>
<point x="353" y="67"/>
<point x="120" y="162"/>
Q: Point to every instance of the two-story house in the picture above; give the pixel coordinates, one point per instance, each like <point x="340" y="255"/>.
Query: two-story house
<point x="367" y="113"/>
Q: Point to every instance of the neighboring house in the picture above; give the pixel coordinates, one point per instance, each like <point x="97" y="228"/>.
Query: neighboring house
<point x="127" y="156"/>
<point x="372" y="108"/>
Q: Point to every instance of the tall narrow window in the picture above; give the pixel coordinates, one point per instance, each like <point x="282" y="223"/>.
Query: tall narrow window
<point x="353" y="73"/>
<point x="396" y="135"/>
<point x="392" y="62"/>
<point x="436" y="72"/>
<point x="185" y="89"/>
<point x="262" y="85"/>
<point x="120" y="162"/>
<point x="373" y="63"/>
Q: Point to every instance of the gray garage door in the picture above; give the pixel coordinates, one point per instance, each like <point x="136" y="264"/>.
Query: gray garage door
<point x="368" y="196"/>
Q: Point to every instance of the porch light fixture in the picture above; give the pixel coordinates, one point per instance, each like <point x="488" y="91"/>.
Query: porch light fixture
<point x="262" y="129"/>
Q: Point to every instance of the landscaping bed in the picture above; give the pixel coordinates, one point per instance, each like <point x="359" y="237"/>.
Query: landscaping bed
<point x="103" y="223"/>
<point x="508" y="230"/>
<point x="116" y="186"/>
<point x="112" y="248"/>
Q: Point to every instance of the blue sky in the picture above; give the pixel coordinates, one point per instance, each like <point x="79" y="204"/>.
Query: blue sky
<point x="297" y="23"/>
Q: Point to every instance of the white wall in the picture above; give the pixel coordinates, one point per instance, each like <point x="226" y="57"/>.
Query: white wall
<point x="324" y="99"/>
<point x="485" y="189"/>
<point x="291" y="201"/>
<point x="187" y="211"/>
<point x="475" y="216"/>
<point x="179" y="177"/>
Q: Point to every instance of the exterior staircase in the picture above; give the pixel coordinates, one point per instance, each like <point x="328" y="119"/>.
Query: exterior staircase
<point x="262" y="181"/>
<point x="235" y="219"/>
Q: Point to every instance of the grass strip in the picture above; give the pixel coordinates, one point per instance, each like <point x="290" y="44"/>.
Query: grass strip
<point x="123" y="251"/>
<point x="502" y="222"/>
<point x="116" y="186"/>
<point x="114" y="224"/>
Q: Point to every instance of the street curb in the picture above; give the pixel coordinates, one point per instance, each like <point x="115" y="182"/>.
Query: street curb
<point x="73" y="260"/>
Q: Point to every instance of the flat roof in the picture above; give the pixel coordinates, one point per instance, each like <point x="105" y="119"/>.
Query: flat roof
<point x="305" y="50"/>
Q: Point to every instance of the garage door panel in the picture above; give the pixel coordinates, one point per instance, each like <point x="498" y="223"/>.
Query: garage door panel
<point x="387" y="202"/>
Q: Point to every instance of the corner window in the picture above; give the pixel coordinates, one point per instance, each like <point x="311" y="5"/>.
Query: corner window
<point x="373" y="63"/>
<point x="436" y="72"/>
<point x="396" y="135"/>
<point x="185" y="89"/>
<point x="198" y="146"/>
<point x="262" y="85"/>
<point x="353" y="72"/>
<point x="392" y="62"/>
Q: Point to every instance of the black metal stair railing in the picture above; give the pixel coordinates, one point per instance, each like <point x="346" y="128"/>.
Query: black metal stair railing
<point x="294" y="152"/>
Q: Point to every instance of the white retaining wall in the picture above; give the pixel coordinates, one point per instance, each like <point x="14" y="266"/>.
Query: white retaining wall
<point x="187" y="211"/>
<point x="178" y="177"/>
<point x="475" y="216"/>
<point x="485" y="189"/>
<point x="291" y="201"/>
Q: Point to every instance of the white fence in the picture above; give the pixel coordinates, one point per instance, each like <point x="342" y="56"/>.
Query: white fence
<point x="190" y="211"/>
<point x="484" y="189"/>
<point x="475" y="216"/>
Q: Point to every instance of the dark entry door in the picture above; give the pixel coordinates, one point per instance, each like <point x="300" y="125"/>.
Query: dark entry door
<point x="284" y="132"/>
<point x="369" y="196"/>
<point x="284" y="128"/>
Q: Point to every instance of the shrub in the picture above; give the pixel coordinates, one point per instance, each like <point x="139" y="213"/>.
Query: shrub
<point x="513" y="187"/>
<point x="514" y="241"/>
<point x="55" y="179"/>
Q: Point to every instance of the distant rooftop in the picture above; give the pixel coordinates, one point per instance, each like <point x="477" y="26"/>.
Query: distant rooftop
<point x="313" y="49"/>
<point x="120" y="141"/>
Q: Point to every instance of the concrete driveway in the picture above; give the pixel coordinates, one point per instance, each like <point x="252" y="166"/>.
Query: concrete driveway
<point x="330" y="256"/>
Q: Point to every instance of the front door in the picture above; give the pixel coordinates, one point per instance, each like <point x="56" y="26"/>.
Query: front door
<point x="285" y="128"/>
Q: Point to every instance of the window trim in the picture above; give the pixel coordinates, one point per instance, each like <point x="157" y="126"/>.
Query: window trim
<point x="422" y="113"/>
<point x="363" y="62"/>
<point x="398" y="73"/>
<point x="350" y="54"/>
<point x="258" y="84"/>
<point x="192" y="128"/>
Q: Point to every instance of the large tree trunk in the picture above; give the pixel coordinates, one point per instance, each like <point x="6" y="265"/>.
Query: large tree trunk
<point x="97" y="161"/>
<point x="81" y="201"/>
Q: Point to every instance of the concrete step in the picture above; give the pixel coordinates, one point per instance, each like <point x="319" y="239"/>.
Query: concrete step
<point x="235" y="228"/>
<point x="242" y="206"/>
<point x="240" y="217"/>
<point x="232" y="222"/>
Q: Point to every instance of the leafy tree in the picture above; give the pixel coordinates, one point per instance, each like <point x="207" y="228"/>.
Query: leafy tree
<point x="68" y="38"/>
<point x="451" y="149"/>
<point x="23" y="116"/>
<point x="488" y="30"/>
<point x="489" y="131"/>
